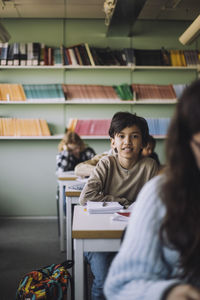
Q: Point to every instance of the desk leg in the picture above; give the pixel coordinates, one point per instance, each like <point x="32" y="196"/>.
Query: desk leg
<point x="61" y="219"/>
<point x="69" y="227"/>
<point x="79" y="269"/>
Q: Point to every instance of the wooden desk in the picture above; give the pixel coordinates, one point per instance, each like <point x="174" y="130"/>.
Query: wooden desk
<point x="96" y="232"/>
<point x="64" y="179"/>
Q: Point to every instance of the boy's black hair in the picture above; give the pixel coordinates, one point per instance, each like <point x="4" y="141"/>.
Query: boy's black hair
<point x="122" y="120"/>
<point x="152" y="141"/>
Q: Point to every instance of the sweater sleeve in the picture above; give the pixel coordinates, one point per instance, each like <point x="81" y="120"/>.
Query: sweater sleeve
<point x="94" y="188"/>
<point x="85" y="168"/>
<point x="89" y="153"/>
<point x="138" y="271"/>
<point x="63" y="161"/>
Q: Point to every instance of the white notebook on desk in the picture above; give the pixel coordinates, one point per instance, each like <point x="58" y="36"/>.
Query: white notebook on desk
<point x="94" y="207"/>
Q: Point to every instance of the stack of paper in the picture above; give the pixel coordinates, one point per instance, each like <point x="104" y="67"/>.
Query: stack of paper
<point x="101" y="208"/>
<point x="65" y="174"/>
<point x="78" y="186"/>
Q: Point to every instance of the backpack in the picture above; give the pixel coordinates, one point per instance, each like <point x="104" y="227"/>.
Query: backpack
<point x="48" y="283"/>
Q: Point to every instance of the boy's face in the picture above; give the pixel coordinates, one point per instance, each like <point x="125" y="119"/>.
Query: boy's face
<point x="128" y="143"/>
<point x="148" y="150"/>
<point x="74" y="149"/>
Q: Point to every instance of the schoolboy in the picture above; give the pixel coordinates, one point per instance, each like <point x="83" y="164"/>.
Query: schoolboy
<point x="149" y="150"/>
<point x="119" y="178"/>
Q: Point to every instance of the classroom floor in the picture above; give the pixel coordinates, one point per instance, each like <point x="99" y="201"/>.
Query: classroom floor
<point x="25" y="245"/>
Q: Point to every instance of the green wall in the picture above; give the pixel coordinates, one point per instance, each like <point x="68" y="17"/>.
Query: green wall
<point x="28" y="181"/>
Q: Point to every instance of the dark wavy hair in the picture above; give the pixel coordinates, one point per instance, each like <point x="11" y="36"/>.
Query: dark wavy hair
<point x="181" y="191"/>
<point x="121" y="120"/>
<point x="71" y="137"/>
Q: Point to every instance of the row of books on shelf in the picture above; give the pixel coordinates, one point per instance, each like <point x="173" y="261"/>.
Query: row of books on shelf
<point x="100" y="127"/>
<point x="88" y="92"/>
<point x="29" y="54"/>
<point x="84" y="127"/>
<point x="164" y="57"/>
<point x="142" y="92"/>
<point x="35" y="54"/>
<point x="31" y="92"/>
<point x="23" y="127"/>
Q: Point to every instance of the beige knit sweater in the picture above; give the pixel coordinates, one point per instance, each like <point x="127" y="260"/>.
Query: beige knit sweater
<point x="110" y="182"/>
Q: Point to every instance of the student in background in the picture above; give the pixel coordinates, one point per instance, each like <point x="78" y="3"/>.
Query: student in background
<point x="72" y="151"/>
<point x="159" y="257"/>
<point x="118" y="178"/>
<point x="149" y="149"/>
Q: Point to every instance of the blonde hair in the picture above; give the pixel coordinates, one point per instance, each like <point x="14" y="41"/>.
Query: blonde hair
<point x="71" y="137"/>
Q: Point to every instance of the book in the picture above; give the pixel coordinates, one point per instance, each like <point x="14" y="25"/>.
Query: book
<point x="44" y="92"/>
<point x="182" y="57"/>
<point x="97" y="60"/>
<point x="129" y="56"/>
<point x="23" y="54"/>
<point x="92" y="127"/>
<point x="124" y="91"/>
<point x="68" y="57"/>
<point x="44" y="128"/>
<point x="42" y="54"/>
<point x="78" y="56"/>
<point x="23" y="127"/>
<point x="84" y="55"/>
<point x="4" y="53"/>
<point x="89" y="54"/>
<point x="120" y="57"/>
<point x="36" y="53"/>
<point x="158" y="126"/>
<point x="29" y="61"/>
<point x="94" y="207"/>
<point x="16" y="54"/>
<point x="106" y="56"/>
<point x="121" y="216"/>
<point x="17" y="92"/>
<point x="65" y="57"/>
<point x="12" y="92"/>
<point x="165" y="57"/>
<point x="191" y="57"/>
<point x="10" y="55"/>
<point x="72" y="56"/>
<point x="50" y="56"/>
<point x="57" y="57"/>
<point x="72" y="124"/>
<point x="145" y="57"/>
<point x="146" y="92"/>
<point x="89" y="92"/>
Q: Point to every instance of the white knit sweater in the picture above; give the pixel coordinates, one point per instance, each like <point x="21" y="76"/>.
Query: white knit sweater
<point x="138" y="272"/>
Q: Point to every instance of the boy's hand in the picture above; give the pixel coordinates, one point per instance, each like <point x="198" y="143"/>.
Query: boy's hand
<point x="183" y="292"/>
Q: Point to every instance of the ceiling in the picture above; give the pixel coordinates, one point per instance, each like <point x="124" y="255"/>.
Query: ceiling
<point x="120" y="21"/>
<point x="151" y="9"/>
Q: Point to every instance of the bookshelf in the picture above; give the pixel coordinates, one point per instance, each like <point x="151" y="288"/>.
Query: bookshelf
<point x="35" y="156"/>
<point x="120" y="104"/>
<point x="54" y="137"/>
<point x="131" y="68"/>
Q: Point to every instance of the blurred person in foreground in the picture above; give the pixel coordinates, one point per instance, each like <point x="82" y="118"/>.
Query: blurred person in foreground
<point x="159" y="258"/>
